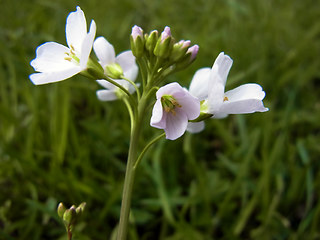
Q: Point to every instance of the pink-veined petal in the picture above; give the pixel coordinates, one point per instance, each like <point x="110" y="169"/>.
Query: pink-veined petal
<point x="87" y="45"/>
<point x="76" y="29"/>
<point x="195" y="127"/>
<point x="218" y="77"/>
<point x="106" y="95"/>
<point x="50" y="57"/>
<point x="158" y="118"/>
<point x="50" y="77"/>
<point x="190" y="105"/>
<point x="200" y="83"/>
<point x="176" y="124"/>
<point x="104" y="51"/>
<point x="128" y="64"/>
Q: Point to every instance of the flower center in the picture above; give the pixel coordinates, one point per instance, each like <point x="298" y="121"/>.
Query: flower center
<point x="225" y="98"/>
<point x="169" y="103"/>
<point x="71" y="56"/>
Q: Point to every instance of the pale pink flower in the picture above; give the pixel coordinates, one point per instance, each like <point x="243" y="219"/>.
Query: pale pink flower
<point x="174" y="107"/>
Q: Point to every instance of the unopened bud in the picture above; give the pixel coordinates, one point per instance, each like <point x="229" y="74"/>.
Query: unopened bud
<point x="69" y="216"/>
<point x="137" y="41"/>
<point x="164" y="44"/>
<point x="179" y="50"/>
<point x="61" y="209"/>
<point x="80" y="209"/>
<point x="189" y="57"/>
<point x="151" y="40"/>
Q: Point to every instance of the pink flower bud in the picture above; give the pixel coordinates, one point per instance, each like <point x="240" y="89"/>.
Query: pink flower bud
<point x="166" y="33"/>
<point x="136" y="32"/>
<point x="194" y="51"/>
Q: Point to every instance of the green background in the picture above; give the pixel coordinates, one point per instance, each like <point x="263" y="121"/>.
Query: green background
<point x="245" y="177"/>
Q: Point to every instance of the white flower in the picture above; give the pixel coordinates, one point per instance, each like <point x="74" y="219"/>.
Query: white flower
<point x="56" y="62"/>
<point x="209" y="85"/>
<point x="107" y="58"/>
<point x="172" y="110"/>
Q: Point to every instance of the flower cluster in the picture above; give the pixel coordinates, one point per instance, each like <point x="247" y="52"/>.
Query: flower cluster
<point x="176" y="109"/>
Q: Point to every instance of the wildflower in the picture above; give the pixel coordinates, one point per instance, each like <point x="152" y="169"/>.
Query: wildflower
<point x="172" y="110"/>
<point x="56" y="62"/>
<point x="115" y="67"/>
<point x="208" y="85"/>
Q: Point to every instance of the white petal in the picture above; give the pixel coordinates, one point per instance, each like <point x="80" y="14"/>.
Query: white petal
<point x="158" y="118"/>
<point x="176" y="125"/>
<point x="243" y="106"/>
<point x="200" y="83"/>
<point x="173" y="89"/>
<point x="190" y="105"/>
<point x="87" y="45"/>
<point x="50" y="58"/>
<point x="76" y="29"/>
<point x="104" y="51"/>
<point x="106" y="95"/>
<point x="246" y="98"/>
<point x="218" y="78"/>
<point x="128" y="64"/>
<point x="49" y="77"/>
<point x="195" y="127"/>
<point x="219" y="115"/>
<point x="106" y="84"/>
<point x="246" y="91"/>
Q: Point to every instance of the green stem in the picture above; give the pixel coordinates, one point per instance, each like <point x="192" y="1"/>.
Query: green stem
<point x="147" y="147"/>
<point x="131" y="99"/>
<point x="134" y="85"/>
<point x="130" y="170"/>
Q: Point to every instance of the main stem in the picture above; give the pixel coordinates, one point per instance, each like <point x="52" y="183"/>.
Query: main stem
<point x="130" y="171"/>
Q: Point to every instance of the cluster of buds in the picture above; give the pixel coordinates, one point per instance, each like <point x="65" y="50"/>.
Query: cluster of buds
<point x="162" y="51"/>
<point x="70" y="216"/>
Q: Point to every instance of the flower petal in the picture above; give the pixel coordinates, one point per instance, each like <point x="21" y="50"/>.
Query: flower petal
<point x="246" y="98"/>
<point x="49" y="77"/>
<point x="51" y="58"/>
<point x="243" y="106"/>
<point x="106" y="84"/>
<point x="87" y="45"/>
<point x="104" y="51"/>
<point x="218" y="78"/>
<point x="158" y="118"/>
<point x="76" y="29"/>
<point x="106" y="95"/>
<point x="128" y="64"/>
<point x="195" y="127"/>
<point x="173" y="89"/>
<point x="176" y="124"/>
<point x="190" y="105"/>
<point x="246" y="91"/>
<point x="200" y="83"/>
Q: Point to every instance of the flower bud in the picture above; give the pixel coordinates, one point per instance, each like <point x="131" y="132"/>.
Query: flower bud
<point x="164" y="44"/>
<point x="179" y="50"/>
<point x="194" y="52"/>
<point x="114" y="71"/>
<point x="80" y="209"/>
<point x="151" y="40"/>
<point x="189" y="57"/>
<point x="137" y="41"/>
<point x="69" y="216"/>
<point x="61" y="209"/>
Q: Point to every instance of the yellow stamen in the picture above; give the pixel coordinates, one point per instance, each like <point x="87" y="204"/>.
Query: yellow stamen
<point x="225" y="98"/>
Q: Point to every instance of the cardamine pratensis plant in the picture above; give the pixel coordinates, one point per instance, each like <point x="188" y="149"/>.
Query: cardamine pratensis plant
<point x="175" y="110"/>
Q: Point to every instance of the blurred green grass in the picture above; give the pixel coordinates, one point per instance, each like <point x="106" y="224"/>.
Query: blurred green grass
<point x="245" y="177"/>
